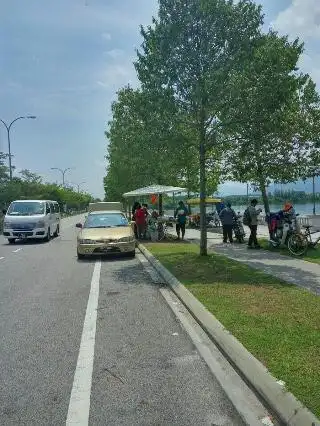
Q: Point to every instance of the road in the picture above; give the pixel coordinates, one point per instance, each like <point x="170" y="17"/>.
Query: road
<point x="95" y="342"/>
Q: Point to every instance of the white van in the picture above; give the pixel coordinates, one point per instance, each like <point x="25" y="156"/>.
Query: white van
<point x="28" y="219"/>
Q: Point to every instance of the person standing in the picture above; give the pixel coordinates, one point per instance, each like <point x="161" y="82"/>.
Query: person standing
<point x="227" y="217"/>
<point x="140" y="218"/>
<point x="253" y="214"/>
<point x="180" y="214"/>
<point x="133" y="218"/>
<point x="147" y="215"/>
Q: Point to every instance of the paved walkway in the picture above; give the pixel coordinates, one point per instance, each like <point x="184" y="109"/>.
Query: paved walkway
<point x="296" y="271"/>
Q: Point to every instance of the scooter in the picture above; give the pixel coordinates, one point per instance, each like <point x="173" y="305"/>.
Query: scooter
<point x="280" y="228"/>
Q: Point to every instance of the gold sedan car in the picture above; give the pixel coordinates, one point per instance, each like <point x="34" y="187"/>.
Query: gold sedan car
<point x="105" y="232"/>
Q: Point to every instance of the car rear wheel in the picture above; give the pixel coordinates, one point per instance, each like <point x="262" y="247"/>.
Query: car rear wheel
<point x="131" y="254"/>
<point x="11" y="240"/>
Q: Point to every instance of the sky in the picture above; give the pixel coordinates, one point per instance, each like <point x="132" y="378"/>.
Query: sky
<point x="64" y="60"/>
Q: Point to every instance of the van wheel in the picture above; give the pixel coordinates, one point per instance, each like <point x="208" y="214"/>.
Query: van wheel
<point x="48" y="236"/>
<point x="11" y="240"/>
<point x="56" y="234"/>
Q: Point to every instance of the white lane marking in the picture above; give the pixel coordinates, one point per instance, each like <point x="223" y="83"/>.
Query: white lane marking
<point x="16" y="251"/>
<point x="79" y="405"/>
<point x="1" y="258"/>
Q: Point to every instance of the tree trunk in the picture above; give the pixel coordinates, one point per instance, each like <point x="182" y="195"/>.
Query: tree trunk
<point x="203" y="222"/>
<point x="265" y="199"/>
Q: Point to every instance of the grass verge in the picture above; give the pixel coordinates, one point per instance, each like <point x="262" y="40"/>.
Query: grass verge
<point x="312" y="255"/>
<point x="277" y="322"/>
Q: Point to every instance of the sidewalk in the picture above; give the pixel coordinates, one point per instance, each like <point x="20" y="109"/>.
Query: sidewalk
<point x="299" y="272"/>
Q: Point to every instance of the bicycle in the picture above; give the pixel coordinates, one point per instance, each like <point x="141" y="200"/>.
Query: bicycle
<point x="162" y="231"/>
<point x="308" y="235"/>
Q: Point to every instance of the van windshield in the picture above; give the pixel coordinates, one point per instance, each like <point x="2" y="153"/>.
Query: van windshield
<point x="28" y="208"/>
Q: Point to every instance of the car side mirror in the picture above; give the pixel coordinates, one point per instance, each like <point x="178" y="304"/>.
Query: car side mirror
<point x="4" y="212"/>
<point x="79" y="225"/>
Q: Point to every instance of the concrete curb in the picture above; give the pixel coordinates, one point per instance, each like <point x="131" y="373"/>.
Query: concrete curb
<point x="289" y="410"/>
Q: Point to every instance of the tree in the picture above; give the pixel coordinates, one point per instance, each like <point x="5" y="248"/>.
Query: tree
<point x="189" y="51"/>
<point x="146" y="144"/>
<point x="4" y="171"/>
<point x="274" y="111"/>
<point x="30" y="177"/>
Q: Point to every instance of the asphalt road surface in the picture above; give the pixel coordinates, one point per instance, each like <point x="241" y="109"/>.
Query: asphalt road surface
<point x="94" y="342"/>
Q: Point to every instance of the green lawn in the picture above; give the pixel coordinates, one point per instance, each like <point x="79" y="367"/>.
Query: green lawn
<point x="277" y="322"/>
<point x="312" y="255"/>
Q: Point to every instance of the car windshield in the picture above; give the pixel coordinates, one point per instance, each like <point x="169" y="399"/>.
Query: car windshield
<point x="28" y="208"/>
<point x="105" y="220"/>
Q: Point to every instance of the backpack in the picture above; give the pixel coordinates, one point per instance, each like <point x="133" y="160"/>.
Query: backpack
<point x="246" y="217"/>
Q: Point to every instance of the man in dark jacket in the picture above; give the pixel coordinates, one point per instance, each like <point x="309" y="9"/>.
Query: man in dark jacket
<point x="227" y="217"/>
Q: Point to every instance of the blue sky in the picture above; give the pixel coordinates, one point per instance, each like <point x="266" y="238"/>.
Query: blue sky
<point x="64" y="60"/>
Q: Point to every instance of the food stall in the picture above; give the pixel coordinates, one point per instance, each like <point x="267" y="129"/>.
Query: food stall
<point x="156" y="192"/>
<point x="216" y="205"/>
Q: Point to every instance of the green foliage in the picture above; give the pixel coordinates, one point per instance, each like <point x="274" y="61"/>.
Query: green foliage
<point x="189" y="51"/>
<point x="147" y="144"/>
<point x="219" y="99"/>
<point x="274" y="111"/>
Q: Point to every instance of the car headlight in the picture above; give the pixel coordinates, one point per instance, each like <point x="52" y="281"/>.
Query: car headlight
<point x="7" y="225"/>
<point x="86" y="241"/>
<point x="126" y="239"/>
<point x="40" y="224"/>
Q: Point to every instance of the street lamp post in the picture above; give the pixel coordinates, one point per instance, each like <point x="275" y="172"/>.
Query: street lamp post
<point x="315" y="172"/>
<point x="8" y="127"/>
<point x="63" y="172"/>
<point x="77" y="185"/>
<point x="313" y="194"/>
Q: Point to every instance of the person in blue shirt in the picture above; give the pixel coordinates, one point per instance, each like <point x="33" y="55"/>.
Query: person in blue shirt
<point x="180" y="214"/>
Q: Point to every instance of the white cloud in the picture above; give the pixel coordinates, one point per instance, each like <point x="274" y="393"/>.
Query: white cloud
<point x="106" y="36"/>
<point x="115" y="53"/>
<point x="301" y="18"/>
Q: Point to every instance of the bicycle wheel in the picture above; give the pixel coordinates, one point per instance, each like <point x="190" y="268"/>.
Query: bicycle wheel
<point x="297" y="244"/>
<point x="161" y="231"/>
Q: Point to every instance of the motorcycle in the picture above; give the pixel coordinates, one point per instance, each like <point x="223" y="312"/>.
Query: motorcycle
<point x="283" y="232"/>
<point x="238" y="229"/>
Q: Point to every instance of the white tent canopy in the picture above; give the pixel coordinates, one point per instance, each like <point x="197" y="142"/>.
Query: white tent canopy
<point x="153" y="189"/>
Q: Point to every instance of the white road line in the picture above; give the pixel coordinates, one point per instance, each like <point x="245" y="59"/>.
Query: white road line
<point x="16" y="251"/>
<point x="79" y="405"/>
<point x="1" y="258"/>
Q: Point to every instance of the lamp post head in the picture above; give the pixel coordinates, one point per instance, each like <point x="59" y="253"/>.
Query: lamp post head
<point x="31" y="116"/>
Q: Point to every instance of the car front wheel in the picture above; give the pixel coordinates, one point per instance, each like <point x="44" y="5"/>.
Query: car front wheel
<point x="80" y="256"/>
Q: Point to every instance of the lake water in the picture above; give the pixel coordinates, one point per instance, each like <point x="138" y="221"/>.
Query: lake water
<point x="302" y="209"/>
